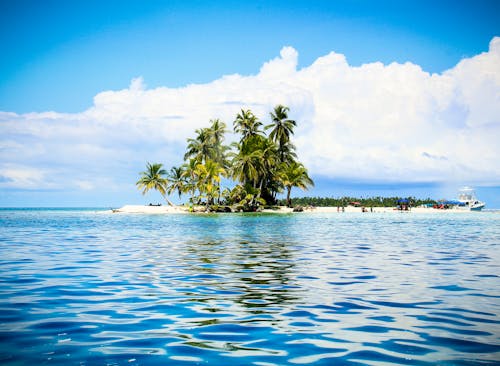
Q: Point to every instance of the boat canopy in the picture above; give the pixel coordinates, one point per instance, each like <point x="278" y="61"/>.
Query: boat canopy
<point x="452" y="202"/>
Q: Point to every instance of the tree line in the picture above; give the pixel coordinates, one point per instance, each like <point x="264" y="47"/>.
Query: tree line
<point x="366" y="202"/>
<point x="261" y="165"/>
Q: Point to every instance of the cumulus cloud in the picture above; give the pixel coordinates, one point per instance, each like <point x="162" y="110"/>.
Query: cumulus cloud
<point x="374" y="122"/>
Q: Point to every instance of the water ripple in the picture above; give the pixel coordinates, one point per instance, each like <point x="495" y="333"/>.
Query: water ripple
<point x="80" y="287"/>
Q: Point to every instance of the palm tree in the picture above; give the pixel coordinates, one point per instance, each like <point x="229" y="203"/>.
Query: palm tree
<point x="266" y="164"/>
<point x="251" y="198"/>
<point x="263" y="166"/>
<point x="286" y="153"/>
<point x="215" y="172"/>
<point x="209" y="177"/>
<point x="154" y="178"/>
<point x="216" y="132"/>
<point x="177" y="181"/>
<point x="295" y="175"/>
<point x="247" y="124"/>
<point x="246" y="162"/>
<point x="201" y="147"/>
<point x="189" y="175"/>
<point x="282" y="129"/>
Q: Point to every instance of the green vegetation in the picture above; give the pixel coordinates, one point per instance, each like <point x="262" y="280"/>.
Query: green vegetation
<point x="260" y="165"/>
<point x="366" y="202"/>
<point x="154" y="178"/>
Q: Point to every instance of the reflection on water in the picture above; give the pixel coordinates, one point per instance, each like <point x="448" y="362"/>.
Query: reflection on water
<point x="92" y="288"/>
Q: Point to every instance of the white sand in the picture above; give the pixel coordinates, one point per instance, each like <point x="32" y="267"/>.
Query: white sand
<point x="383" y="209"/>
<point x="151" y="209"/>
<point x="367" y="210"/>
<point x="165" y="209"/>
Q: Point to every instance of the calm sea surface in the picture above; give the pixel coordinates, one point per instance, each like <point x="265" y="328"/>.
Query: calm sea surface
<point x="86" y="287"/>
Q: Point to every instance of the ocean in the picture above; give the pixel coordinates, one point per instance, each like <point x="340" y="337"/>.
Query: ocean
<point x="85" y="287"/>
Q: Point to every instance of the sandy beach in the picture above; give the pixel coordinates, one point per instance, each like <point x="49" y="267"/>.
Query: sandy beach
<point x="165" y="209"/>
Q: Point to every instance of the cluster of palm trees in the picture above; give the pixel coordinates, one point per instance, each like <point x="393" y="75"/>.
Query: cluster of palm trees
<point x="262" y="166"/>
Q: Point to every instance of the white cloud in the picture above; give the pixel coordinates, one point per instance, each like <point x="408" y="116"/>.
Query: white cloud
<point x="281" y="67"/>
<point x="23" y="177"/>
<point x="373" y="122"/>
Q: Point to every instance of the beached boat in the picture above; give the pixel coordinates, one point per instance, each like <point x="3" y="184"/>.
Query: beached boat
<point x="467" y="200"/>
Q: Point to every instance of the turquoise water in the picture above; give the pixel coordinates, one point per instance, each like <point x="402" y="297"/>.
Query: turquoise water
<point x="90" y="288"/>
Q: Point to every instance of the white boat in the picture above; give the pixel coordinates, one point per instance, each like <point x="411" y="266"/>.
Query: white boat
<point x="468" y="201"/>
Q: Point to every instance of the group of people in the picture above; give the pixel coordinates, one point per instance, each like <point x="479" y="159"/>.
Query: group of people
<point x="363" y="209"/>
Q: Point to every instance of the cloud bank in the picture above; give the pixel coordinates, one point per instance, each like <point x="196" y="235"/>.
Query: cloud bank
<point x="375" y="122"/>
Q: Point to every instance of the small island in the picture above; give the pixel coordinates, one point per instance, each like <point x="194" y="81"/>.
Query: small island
<point x="261" y="166"/>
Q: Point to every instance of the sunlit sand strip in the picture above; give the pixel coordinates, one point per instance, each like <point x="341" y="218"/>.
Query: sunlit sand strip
<point x="146" y="209"/>
<point x="165" y="209"/>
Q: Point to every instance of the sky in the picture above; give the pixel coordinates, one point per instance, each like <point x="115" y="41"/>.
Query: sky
<point x="391" y="97"/>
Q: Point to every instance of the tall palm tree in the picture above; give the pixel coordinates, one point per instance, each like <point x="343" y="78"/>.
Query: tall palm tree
<point x="267" y="163"/>
<point x="154" y="178"/>
<point x="189" y="175"/>
<point x="295" y="175"/>
<point x="177" y="181"/>
<point x="246" y="162"/>
<point x="286" y="153"/>
<point x="216" y="131"/>
<point x="201" y="147"/>
<point x="247" y="124"/>
<point x="282" y="129"/>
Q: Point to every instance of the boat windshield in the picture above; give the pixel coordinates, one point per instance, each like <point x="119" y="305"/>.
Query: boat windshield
<point x="466" y="194"/>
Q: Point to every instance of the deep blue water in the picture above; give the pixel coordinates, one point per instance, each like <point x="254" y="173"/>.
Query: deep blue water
<point x="86" y="287"/>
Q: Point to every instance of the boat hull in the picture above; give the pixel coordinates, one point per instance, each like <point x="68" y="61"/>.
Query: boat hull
<point x="477" y="208"/>
<point x="474" y="207"/>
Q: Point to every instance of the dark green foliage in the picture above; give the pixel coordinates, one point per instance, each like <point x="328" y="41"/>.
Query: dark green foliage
<point x="261" y="166"/>
<point x="345" y="201"/>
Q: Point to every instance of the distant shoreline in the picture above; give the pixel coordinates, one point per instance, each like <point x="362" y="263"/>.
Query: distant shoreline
<point x="146" y="209"/>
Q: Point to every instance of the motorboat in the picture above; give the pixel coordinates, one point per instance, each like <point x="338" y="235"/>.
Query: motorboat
<point x="467" y="200"/>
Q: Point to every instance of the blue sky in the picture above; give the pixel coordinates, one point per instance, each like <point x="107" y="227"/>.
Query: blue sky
<point x="59" y="55"/>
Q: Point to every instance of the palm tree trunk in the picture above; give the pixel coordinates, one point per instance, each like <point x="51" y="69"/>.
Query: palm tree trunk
<point x="210" y="201"/>
<point x="260" y="188"/>
<point x="288" y="199"/>
<point x="219" y="193"/>
<point x="167" y="200"/>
